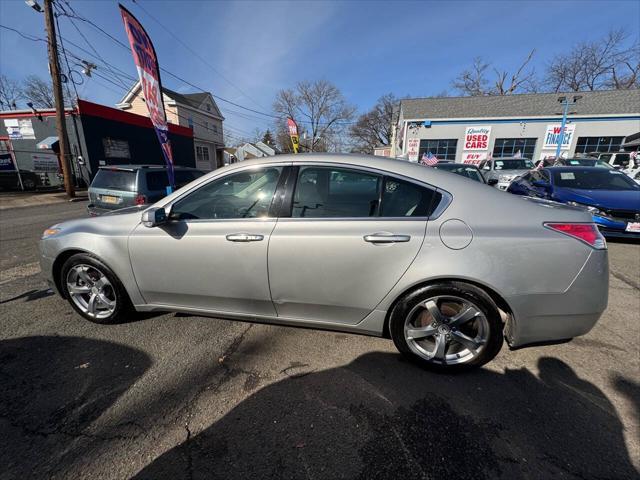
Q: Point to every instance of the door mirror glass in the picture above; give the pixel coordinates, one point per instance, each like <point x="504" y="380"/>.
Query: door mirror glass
<point x="154" y="217"/>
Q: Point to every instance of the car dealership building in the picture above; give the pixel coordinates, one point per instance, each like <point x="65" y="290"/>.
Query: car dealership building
<point x="472" y="129"/>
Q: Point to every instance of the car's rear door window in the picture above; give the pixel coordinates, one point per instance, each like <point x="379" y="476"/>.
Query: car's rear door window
<point x="405" y="199"/>
<point x="115" y="180"/>
<point x="325" y="192"/>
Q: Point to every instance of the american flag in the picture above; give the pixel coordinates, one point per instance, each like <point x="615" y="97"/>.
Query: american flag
<point x="429" y="159"/>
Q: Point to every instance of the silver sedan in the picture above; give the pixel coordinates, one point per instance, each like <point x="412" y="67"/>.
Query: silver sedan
<point x="442" y="265"/>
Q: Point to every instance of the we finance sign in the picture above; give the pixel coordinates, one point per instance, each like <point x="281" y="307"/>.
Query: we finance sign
<point x="477" y="138"/>
<point x="552" y="136"/>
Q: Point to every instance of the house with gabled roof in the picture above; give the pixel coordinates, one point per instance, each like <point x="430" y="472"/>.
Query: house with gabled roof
<point x="197" y="111"/>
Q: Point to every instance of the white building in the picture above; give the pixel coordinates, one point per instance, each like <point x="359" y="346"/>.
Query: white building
<point x="197" y="111"/>
<point x="470" y="129"/>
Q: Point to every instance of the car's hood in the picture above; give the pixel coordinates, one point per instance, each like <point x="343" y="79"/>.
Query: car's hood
<point x="118" y="222"/>
<point x="609" y="199"/>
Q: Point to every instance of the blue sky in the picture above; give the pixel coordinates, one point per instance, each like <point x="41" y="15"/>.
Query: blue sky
<point x="366" y="48"/>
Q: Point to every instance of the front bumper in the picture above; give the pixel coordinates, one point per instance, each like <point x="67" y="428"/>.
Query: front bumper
<point x="550" y="317"/>
<point x="614" y="228"/>
<point x="46" y="266"/>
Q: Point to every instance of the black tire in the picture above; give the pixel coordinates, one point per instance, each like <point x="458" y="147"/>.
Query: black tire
<point x="28" y="184"/>
<point x="123" y="306"/>
<point x="462" y="290"/>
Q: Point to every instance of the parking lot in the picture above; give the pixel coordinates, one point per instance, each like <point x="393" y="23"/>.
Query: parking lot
<point x="176" y="396"/>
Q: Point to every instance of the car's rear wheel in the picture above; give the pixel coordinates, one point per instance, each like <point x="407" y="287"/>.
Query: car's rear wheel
<point x="93" y="290"/>
<point x="447" y="326"/>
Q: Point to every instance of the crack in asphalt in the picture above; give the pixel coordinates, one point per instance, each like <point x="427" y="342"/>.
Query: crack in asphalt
<point x="227" y="374"/>
<point x="623" y="278"/>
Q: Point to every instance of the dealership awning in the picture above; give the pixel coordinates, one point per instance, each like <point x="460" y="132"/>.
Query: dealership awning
<point x="48" y="143"/>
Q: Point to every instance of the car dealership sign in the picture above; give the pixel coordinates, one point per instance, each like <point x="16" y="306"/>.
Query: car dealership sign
<point x="552" y="136"/>
<point x="413" y="148"/>
<point x="474" y="158"/>
<point x="477" y="138"/>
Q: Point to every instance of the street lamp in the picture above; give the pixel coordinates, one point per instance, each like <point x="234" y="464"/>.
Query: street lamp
<point x="33" y="4"/>
<point x="565" y="103"/>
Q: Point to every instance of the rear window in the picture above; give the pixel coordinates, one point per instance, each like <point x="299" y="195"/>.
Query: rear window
<point x="115" y="180"/>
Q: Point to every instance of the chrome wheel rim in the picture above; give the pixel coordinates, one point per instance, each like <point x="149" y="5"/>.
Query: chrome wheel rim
<point x="446" y="330"/>
<point x="91" y="291"/>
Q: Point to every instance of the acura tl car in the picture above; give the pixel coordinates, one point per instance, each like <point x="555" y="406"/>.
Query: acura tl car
<point x="610" y="196"/>
<point x="443" y="266"/>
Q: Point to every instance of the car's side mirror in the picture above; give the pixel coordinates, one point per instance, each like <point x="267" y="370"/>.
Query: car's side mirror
<point x="540" y="184"/>
<point x="492" y="181"/>
<point x="154" y="217"/>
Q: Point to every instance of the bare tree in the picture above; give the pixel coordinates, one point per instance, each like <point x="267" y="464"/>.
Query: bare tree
<point x="39" y="92"/>
<point x="474" y="82"/>
<point x="320" y="110"/>
<point x="374" y="127"/>
<point x="10" y="93"/>
<point x="604" y="63"/>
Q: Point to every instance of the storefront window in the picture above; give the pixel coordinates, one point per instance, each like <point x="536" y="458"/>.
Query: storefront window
<point x="508" y="147"/>
<point x="443" y="149"/>
<point x="598" y="144"/>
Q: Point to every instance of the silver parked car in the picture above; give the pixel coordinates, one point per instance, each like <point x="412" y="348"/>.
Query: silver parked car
<point x="501" y="171"/>
<point x="443" y="266"/>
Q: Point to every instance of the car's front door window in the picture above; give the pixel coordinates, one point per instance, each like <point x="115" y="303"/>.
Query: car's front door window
<point x="245" y="194"/>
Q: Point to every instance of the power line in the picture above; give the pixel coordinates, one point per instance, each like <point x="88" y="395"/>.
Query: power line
<point x="64" y="13"/>
<point x="194" y="53"/>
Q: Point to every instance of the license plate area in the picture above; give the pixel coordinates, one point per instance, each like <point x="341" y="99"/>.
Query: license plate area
<point x="633" y="227"/>
<point x="110" y="199"/>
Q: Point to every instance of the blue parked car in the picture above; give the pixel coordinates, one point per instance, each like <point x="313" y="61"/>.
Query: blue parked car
<point x="612" y="197"/>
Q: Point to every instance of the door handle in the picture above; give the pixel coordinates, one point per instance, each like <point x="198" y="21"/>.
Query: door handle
<point x="386" y="238"/>
<point x="244" y="237"/>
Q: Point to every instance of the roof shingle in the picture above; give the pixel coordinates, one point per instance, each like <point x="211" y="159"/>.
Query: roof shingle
<point x="534" y="104"/>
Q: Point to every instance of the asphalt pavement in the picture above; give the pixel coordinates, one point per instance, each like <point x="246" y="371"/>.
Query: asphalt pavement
<point x="176" y="396"/>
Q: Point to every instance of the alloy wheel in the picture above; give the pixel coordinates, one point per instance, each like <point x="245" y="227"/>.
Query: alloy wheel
<point x="446" y="330"/>
<point x="91" y="291"/>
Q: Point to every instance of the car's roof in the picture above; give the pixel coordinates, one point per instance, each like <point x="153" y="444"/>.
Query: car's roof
<point x="131" y="168"/>
<point x="411" y="170"/>
<point x="509" y="158"/>
<point x="451" y="164"/>
<point x="572" y="168"/>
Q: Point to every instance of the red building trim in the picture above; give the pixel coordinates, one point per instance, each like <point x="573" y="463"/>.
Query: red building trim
<point x="23" y="114"/>
<point x="96" y="110"/>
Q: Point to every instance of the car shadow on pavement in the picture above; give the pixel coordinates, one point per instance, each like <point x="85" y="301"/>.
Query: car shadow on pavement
<point x="52" y="390"/>
<point x="380" y="417"/>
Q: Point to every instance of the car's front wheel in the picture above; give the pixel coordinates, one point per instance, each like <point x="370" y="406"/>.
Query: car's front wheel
<point x="93" y="290"/>
<point x="447" y="326"/>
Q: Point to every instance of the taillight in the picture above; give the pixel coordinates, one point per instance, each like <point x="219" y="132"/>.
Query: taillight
<point x="585" y="232"/>
<point x="140" y="199"/>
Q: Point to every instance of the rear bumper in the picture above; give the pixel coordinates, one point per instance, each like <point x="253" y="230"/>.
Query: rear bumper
<point x="94" y="211"/>
<point x="550" y="317"/>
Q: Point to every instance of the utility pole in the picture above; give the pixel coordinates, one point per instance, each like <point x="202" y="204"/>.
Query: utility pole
<point x="54" y="68"/>
<point x="565" y="103"/>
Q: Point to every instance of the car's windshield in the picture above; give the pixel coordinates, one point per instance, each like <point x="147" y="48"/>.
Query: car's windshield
<point x="587" y="162"/>
<point x="465" y="171"/>
<point x="115" y="180"/>
<point x="513" y="164"/>
<point x="596" y="179"/>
